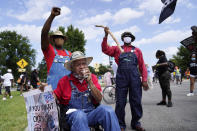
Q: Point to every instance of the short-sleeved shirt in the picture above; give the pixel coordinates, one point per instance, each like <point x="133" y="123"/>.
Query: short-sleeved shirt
<point x="49" y="55"/>
<point x="162" y="69"/>
<point x="64" y="89"/>
<point x="193" y="68"/>
<point x="7" y="79"/>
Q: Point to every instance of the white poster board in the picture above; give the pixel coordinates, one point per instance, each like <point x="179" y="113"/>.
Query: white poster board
<point x="42" y="114"/>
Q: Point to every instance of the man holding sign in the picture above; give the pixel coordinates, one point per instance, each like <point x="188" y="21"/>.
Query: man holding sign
<point x="128" y="78"/>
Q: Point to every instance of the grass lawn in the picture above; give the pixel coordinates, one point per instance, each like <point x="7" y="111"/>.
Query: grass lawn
<point x="13" y="116"/>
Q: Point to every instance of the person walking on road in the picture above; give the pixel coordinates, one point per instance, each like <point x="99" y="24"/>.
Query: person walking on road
<point x="8" y="81"/>
<point x="193" y="73"/>
<point x="178" y="75"/>
<point x="54" y="55"/>
<point x="34" y="79"/>
<point x="23" y="83"/>
<point x="164" y="78"/>
<point x="128" y="78"/>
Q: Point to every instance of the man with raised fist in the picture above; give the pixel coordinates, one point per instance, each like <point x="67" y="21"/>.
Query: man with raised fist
<point x="54" y="54"/>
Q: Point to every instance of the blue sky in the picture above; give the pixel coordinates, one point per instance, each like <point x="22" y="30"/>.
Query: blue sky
<point x="137" y="16"/>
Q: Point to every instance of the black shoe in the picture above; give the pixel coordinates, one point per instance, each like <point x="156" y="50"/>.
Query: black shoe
<point x="169" y="104"/>
<point x="138" y="128"/>
<point x="161" y="103"/>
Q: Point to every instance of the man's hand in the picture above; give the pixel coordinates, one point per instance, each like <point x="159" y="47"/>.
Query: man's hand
<point x="87" y="74"/>
<point x="106" y="29"/>
<point x="42" y="86"/>
<point x="55" y="11"/>
<point x="145" y="85"/>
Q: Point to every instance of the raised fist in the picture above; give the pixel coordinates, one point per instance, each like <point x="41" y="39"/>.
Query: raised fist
<point x="55" y="11"/>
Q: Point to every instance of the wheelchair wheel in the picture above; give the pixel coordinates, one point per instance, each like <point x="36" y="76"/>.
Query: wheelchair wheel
<point x="109" y="94"/>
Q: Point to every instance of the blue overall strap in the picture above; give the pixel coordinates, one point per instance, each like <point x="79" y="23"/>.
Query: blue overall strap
<point x="71" y="83"/>
<point x="55" y="50"/>
<point x="133" y="49"/>
<point x="67" y="53"/>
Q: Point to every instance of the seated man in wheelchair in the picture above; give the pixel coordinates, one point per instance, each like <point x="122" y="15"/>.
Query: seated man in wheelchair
<point x="79" y="92"/>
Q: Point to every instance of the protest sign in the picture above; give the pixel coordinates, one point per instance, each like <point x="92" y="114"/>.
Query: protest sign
<point x="42" y="114"/>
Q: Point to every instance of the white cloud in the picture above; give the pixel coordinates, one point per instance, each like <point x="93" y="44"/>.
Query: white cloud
<point x="153" y="21"/>
<point x="63" y="17"/>
<point x="33" y="32"/>
<point x="91" y="32"/>
<point x="171" y="36"/>
<point x="186" y="3"/>
<point x="122" y="16"/>
<point x="170" y="20"/>
<point x="126" y="14"/>
<point x="171" y="50"/>
<point x="34" y="10"/>
<point x="98" y="19"/>
<point x="151" y="5"/>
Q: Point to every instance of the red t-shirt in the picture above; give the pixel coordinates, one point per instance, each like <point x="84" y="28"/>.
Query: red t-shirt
<point x="49" y="55"/>
<point x="64" y="90"/>
<point x="114" y="51"/>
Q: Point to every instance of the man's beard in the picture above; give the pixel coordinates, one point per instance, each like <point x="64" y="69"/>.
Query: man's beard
<point x="59" y="47"/>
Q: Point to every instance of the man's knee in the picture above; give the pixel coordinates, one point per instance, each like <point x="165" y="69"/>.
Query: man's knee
<point x="80" y="116"/>
<point x="106" y="109"/>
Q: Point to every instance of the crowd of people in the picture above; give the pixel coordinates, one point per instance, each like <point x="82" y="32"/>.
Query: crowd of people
<point x="75" y="87"/>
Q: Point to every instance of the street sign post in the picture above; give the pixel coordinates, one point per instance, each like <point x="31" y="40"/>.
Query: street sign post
<point x="22" y="63"/>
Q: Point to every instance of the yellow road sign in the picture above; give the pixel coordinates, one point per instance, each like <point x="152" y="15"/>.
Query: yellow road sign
<point x="21" y="70"/>
<point x="22" y="63"/>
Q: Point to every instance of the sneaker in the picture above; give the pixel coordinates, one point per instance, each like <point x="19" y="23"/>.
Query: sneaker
<point x="161" y="103"/>
<point x="169" y="104"/>
<point x="190" y="94"/>
<point x="4" y="98"/>
<point x="11" y="97"/>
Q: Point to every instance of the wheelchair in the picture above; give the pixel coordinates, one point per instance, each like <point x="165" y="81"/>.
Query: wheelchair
<point x="64" y="126"/>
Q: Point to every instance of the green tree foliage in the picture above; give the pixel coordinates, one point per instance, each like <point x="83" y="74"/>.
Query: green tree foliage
<point x="182" y="58"/>
<point x="14" y="47"/>
<point x="42" y="70"/>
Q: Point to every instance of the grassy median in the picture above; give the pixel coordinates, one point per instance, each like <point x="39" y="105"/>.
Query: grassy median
<point x="13" y="115"/>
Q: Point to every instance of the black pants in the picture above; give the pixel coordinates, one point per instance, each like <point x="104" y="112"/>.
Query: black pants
<point x="164" y="80"/>
<point x="7" y="89"/>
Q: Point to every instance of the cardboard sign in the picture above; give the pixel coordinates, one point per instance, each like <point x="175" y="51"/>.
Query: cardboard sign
<point x="42" y="114"/>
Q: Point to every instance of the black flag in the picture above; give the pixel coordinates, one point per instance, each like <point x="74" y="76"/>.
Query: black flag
<point x="167" y="10"/>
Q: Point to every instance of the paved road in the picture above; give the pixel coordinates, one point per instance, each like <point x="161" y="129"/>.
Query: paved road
<point x="181" y="117"/>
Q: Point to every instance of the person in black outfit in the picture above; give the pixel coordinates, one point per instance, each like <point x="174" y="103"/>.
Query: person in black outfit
<point x="34" y="78"/>
<point x="193" y="72"/>
<point x="164" y="78"/>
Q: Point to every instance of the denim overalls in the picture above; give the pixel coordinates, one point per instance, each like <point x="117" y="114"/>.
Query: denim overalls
<point x="128" y="79"/>
<point x="57" y="70"/>
<point x="87" y="115"/>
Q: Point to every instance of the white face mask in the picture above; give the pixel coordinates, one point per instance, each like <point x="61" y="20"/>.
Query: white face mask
<point x="127" y="40"/>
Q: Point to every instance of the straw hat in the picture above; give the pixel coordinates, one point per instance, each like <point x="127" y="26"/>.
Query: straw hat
<point x="58" y="33"/>
<point x="77" y="55"/>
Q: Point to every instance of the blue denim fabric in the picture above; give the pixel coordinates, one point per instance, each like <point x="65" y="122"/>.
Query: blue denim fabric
<point x="128" y="80"/>
<point x="87" y="115"/>
<point x="57" y="70"/>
